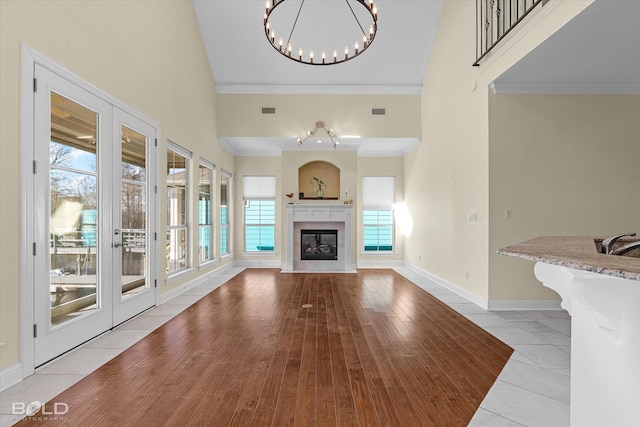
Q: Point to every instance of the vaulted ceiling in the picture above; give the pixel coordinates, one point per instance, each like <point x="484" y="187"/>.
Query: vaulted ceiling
<point x="597" y="52"/>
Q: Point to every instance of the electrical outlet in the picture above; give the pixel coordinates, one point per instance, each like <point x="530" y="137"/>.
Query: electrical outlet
<point x="507" y="213"/>
<point x="472" y="216"/>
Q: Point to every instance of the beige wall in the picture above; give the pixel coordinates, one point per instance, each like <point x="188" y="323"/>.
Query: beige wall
<point x="447" y="177"/>
<point x="346" y="161"/>
<point x="562" y="165"/>
<point x="135" y="51"/>
<point x="149" y="55"/>
<point x="240" y="115"/>
<point x="285" y="169"/>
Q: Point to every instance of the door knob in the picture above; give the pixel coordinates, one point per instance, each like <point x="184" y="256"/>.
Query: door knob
<point x="117" y="244"/>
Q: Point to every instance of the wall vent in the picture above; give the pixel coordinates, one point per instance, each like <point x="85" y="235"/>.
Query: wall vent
<point x="268" y="110"/>
<point x="378" y="111"/>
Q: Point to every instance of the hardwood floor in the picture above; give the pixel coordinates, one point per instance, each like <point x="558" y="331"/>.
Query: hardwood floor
<point x="372" y="350"/>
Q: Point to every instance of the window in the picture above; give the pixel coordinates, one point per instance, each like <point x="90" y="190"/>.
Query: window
<point x="259" y="193"/>
<point x="205" y="211"/>
<point x="177" y="208"/>
<point x="378" y="197"/>
<point x="225" y="224"/>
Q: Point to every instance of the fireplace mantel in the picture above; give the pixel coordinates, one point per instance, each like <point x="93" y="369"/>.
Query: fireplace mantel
<point x="312" y="216"/>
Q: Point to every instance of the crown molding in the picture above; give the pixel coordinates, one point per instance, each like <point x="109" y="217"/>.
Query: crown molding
<point x="565" y="89"/>
<point x="258" y="89"/>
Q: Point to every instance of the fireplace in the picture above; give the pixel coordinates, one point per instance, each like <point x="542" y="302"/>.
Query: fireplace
<point x="336" y="218"/>
<point x="318" y="244"/>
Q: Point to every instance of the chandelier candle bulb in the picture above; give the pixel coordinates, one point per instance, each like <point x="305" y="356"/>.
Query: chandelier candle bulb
<point x="371" y="11"/>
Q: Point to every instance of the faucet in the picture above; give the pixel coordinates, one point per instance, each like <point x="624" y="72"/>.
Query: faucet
<point x="605" y="246"/>
<point x="626" y="248"/>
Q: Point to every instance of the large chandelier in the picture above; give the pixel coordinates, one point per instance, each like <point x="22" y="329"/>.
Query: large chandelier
<point x="334" y="56"/>
<point x="314" y="134"/>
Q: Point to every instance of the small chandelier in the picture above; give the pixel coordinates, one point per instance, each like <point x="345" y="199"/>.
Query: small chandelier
<point x="286" y="49"/>
<point x="312" y="133"/>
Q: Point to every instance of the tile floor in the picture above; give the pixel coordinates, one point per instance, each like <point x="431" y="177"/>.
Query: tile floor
<point x="532" y="390"/>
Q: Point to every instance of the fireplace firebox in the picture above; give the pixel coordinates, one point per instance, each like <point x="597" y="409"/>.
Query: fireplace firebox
<point x="319" y="244"/>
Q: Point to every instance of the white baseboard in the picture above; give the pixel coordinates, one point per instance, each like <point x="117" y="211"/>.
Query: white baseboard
<point x="380" y="263"/>
<point x="490" y="305"/>
<point x="464" y="293"/>
<point x="10" y="376"/>
<point x="258" y="263"/>
<point x="193" y="283"/>
<point x="518" y="305"/>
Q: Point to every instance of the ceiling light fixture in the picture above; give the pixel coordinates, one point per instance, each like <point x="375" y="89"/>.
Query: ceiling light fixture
<point x="286" y="49"/>
<point x="313" y="133"/>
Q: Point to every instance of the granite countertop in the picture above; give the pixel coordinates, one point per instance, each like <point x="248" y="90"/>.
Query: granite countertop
<point x="579" y="252"/>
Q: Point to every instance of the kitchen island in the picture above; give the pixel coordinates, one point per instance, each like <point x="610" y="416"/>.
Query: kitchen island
<point x="602" y="294"/>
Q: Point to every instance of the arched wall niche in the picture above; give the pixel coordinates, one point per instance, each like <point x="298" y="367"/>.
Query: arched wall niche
<point x="326" y="172"/>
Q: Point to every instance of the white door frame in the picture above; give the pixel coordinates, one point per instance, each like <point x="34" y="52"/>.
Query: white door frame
<point x="29" y="58"/>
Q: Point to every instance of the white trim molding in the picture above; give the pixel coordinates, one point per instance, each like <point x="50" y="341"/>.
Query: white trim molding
<point x="193" y="283"/>
<point x="487" y="304"/>
<point x="564" y="89"/>
<point x="380" y="263"/>
<point x="311" y="216"/>
<point x="10" y="376"/>
<point x="517" y="305"/>
<point x="249" y="263"/>
<point x="464" y="293"/>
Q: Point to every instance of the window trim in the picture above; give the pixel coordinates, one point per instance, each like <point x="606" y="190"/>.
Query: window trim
<point x="244" y="228"/>
<point x="228" y="224"/>
<point x="258" y="188"/>
<point x="187" y="155"/>
<point x="211" y="168"/>
<point x="388" y="204"/>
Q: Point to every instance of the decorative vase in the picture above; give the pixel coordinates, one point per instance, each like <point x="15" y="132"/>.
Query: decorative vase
<point x="319" y="194"/>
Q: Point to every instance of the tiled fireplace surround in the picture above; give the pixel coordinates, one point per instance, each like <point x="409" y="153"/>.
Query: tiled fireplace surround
<point x="330" y="217"/>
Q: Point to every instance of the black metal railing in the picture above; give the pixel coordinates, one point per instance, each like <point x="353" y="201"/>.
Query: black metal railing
<point x="494" y="20"/>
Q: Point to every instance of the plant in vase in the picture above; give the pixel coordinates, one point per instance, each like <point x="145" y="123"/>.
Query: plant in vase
<point x="321" y="187"/>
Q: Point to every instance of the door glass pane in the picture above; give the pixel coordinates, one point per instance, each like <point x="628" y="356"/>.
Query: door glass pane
<point x="133" y="191"/>
<point x="73" y="205"/>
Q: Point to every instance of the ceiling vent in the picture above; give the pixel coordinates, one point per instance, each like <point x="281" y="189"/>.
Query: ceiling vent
<point x="268" y="110"/>
<point x="378" y="111"/>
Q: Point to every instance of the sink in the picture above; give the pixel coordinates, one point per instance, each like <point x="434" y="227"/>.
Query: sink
<point x="618" y="244"/>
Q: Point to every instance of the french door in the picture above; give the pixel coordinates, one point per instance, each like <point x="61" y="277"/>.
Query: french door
<point x="94" y="254"/>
